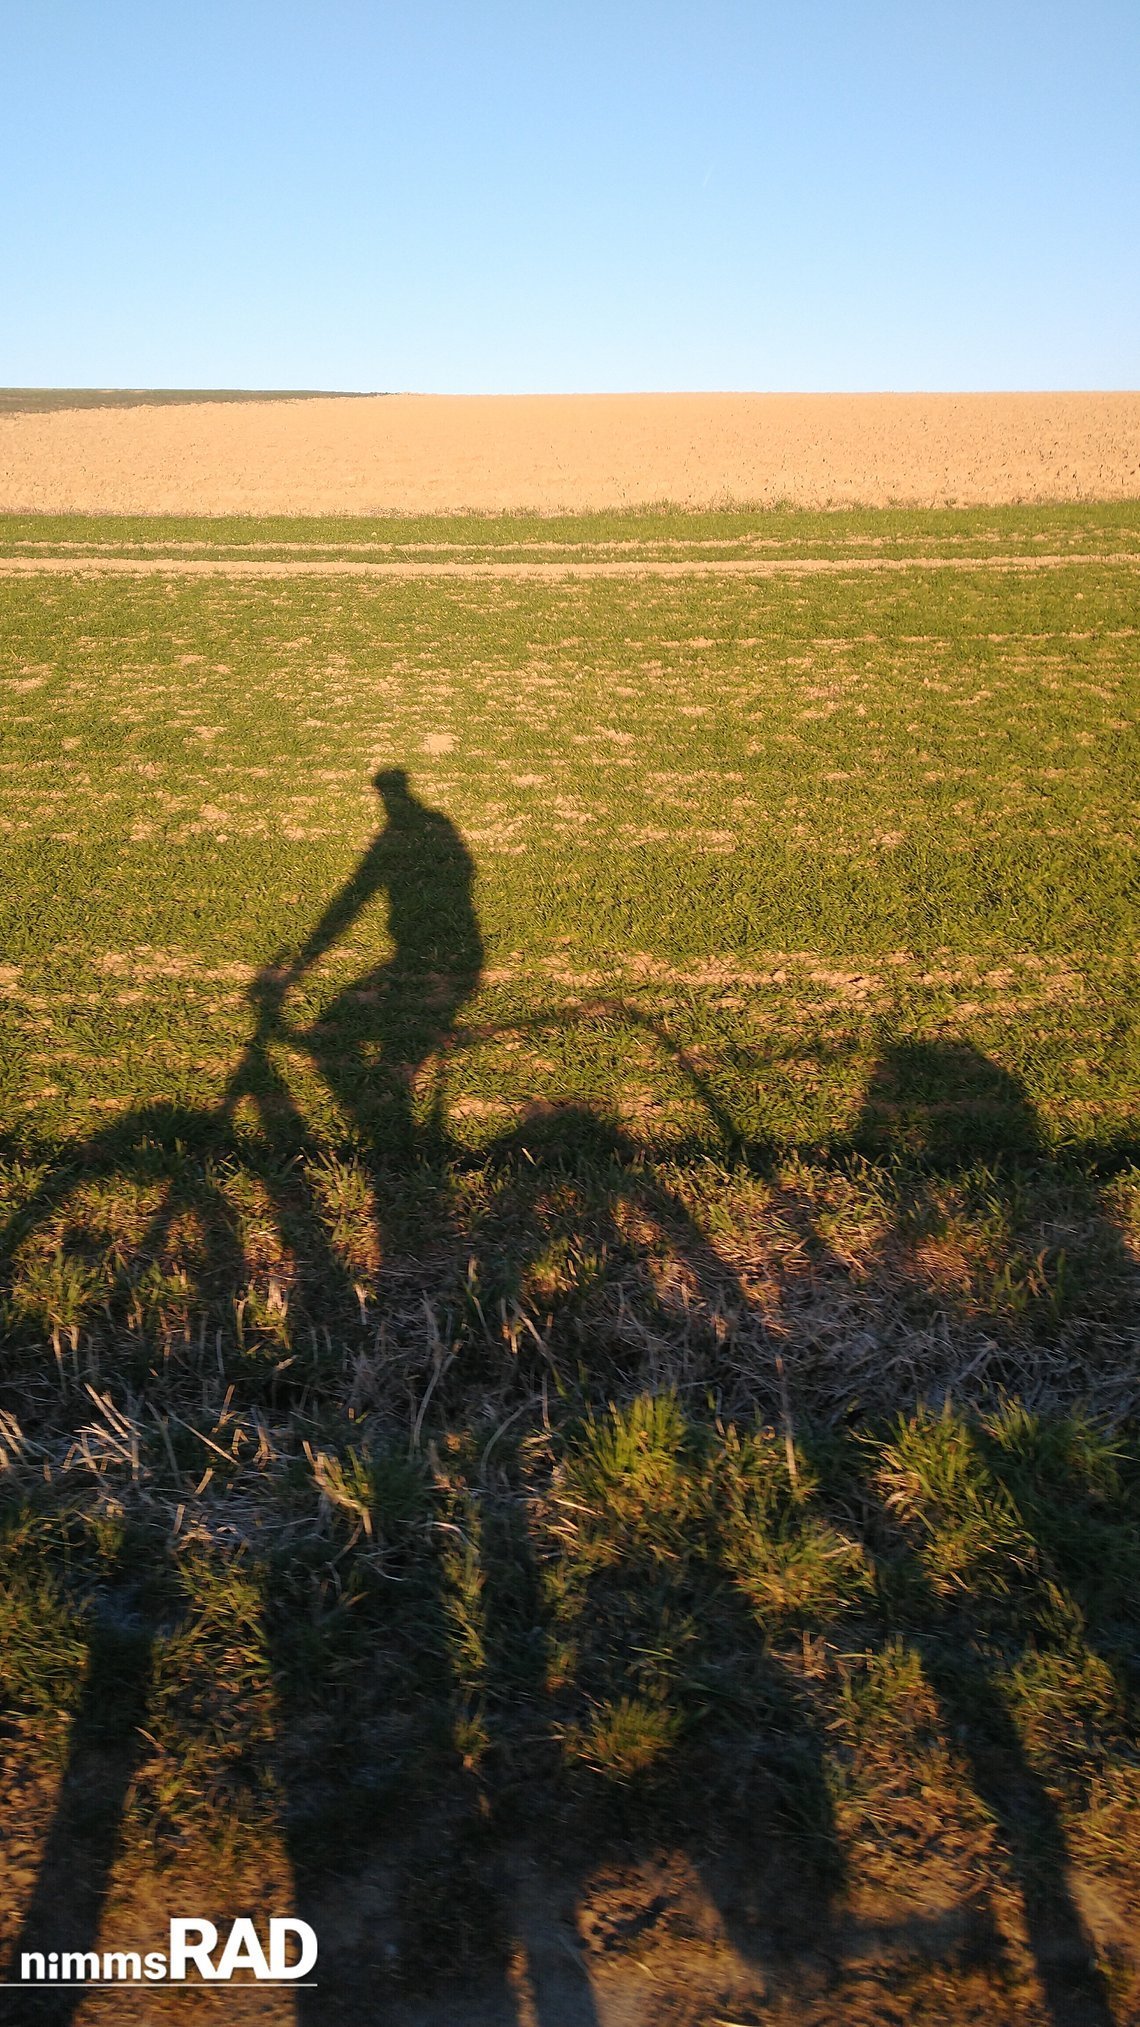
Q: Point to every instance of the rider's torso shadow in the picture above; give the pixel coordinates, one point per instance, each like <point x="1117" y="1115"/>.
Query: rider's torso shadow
<point x="375" y="1041"/>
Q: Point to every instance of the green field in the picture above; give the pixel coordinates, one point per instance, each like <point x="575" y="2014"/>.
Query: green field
<point x="569" y="1216"/>
<point x="45" y="400"/>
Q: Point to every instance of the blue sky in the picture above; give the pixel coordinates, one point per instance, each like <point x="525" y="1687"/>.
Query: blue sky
<point x="570" y="195"/>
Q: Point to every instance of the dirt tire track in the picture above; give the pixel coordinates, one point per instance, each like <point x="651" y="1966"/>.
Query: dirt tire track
<point x="736" y="566"/>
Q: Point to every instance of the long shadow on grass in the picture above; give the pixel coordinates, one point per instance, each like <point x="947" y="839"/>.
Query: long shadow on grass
<point x="632" y="1693"/>
<point x="949" y="1112"/>
<point x="672" y="1723"/>
<point x="393" y="1854"/>
<point x="104" y="1749"/>
<point x="631" y="1702"/>
<point x="621" y="1629"/>
<point x="950" y="1108"/>
<point x="370" y="1046"/>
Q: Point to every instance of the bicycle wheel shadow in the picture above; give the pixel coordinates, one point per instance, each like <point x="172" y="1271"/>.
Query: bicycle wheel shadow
<point x="766" y="1850"/>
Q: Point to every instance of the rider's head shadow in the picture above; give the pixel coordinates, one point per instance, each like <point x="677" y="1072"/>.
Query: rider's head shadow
<point x="969" y="1155"/>
<point x="952" y="1131"/>
<point x="957" y="1151"/>
<point x="946" y="1105"/>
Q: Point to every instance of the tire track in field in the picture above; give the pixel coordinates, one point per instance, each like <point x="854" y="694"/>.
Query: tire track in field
<point x="545" y="572"/>
<point x="549" y="550"/>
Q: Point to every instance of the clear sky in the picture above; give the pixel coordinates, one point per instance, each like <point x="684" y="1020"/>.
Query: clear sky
<point x="567" y="195"/>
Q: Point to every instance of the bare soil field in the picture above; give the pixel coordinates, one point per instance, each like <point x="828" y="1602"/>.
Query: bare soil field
<point x="565" y="453"/>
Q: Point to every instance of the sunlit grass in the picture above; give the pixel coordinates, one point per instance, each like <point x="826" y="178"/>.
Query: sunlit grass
<point x="595" y="1286"/>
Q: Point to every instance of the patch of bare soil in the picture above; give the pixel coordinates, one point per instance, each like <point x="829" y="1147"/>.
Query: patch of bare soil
<point x="562" y="453"/>
<point x="658" y="1939"/>
<point x="651" y="1940"/>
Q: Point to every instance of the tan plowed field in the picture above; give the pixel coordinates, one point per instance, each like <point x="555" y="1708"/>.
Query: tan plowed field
<point x="429" y="453"/>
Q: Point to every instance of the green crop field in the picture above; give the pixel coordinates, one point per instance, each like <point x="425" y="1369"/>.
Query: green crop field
<point x="569" y="1219"/>
<point x="47" y="400"/>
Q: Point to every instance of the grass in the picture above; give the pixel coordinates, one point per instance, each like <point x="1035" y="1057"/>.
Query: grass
<point x="569" y="1213"/>
<point x="42" y="400"/>
<point x="1087" y="528"/>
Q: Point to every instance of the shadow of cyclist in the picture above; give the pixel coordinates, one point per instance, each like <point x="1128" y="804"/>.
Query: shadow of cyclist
<point x="377" y="1036"/>
<point x="369" y="1047"/>
<point x="372" y="1047"/>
